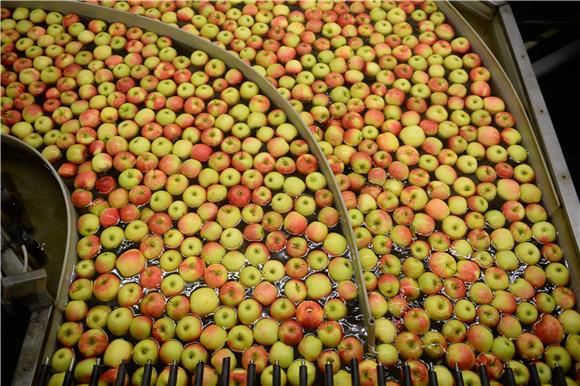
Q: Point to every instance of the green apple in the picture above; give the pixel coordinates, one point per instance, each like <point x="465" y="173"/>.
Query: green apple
<point x="117" y="351"/>
<point x="61" y="359"/>
<point x="281" y="353"/>
<point x="204" y="301"/>
<point x="146" y="350"/>
<point x="294" y="372"/>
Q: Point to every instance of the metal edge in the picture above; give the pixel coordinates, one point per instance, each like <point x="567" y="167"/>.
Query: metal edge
<point x="567" y="218"/>
<point x="31" y="351"/>
<point x="191" y="42"/>
<point x="69" y="259"/>
<point x="552" y="175"/>
<point x="485" y="9"/>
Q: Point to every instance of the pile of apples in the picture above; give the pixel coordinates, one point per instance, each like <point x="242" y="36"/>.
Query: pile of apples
<point x="460" y="258"/>
<point x="183" y="245"/>
<point x="206" y="230"/>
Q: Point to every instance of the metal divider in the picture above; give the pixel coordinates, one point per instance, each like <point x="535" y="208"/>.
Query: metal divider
<point x="186" y="42"/>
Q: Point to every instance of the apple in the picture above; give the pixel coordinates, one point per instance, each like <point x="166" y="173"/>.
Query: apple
<point x="438" y="307"/>
<point x="119" y="321"/>
<point x="266" y="331"/>
<point x="97" y="316"/>
<point x="460" y="354"/>
<point x="213" y="337"/>
<point x="409" y="345"/>
<point x="192" y="354"/>
<point x="256" y="355"/>
<point x="520" y="371"/>
<point x="129" y="294"/>
<point x="281" y="353"/>
<point x="93" y="343"/>
<point x="152" y="304"/>
<point x="106" y="287"/>
<point x="564" y="297"/>
<point x="454" y="330"/>
<point x="150" y="277"/>
<point x="465" y="310"/>
<point x="417" y="321"/>
<point x="203" y="301"/>
<point x="290" y="332"/>
<point x="429" y="283"/>
<point x="273" y="271"/>
<point x="335" y="244"/>
<point x="170" y="351"/>
<point x="293" y="372"/>
<point x="117" y="351"/>
<point x="480" y="338"/>
<point x="442" y="264"/>
<point x="568" y="319"/>
<point x="503" y="348"/>
<point x="218" y="357"/>
<point x="240" y="338"/>
<point x="146" y="350"/>
<point x="480" y="293"/>
<point x="434" y="344"/>
<point x="335" y="309"/>
<point x="283" y="309"/>
<point x="529" y="346"/>
<point x="177" y="307"/>
<point x="249" y="310"/>
<point x="266" y="376"/>
<point x="557" y="273"/>
<point x="225" y="316"/>
<point x="180" y="379"/>
<point x="61" y="359"/>
<point x="549" y="329"/>
<point x="330" y="333"/>
<point x="310" y="347"/>
<point x="309" y="314"/>
<point x="75" y="311"/>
